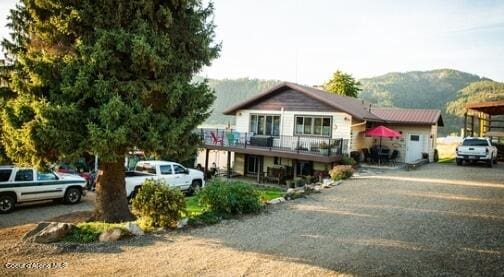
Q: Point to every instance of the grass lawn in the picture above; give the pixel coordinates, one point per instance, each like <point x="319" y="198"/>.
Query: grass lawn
<point x="194" y="209"/>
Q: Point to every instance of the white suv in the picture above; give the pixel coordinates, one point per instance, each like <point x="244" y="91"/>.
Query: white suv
<point x="19" y="185"/>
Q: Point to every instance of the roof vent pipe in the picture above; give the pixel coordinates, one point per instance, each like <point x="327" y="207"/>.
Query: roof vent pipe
<point x="369" y="107"/>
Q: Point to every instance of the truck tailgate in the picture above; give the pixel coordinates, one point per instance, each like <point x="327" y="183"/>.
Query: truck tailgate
<point x="472" y="150"/>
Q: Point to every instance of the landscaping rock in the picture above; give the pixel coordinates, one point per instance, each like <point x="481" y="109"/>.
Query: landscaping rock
<point x="29" y="235"/>
<point x="48" y="232"/>
<point x="317" y="188"/>
<point x="276" y="201"/>
<point x="182" y="223"/>
<point x="134" y="229"/>
<point x="111" y="235"/>
<point x="291" y="190"/>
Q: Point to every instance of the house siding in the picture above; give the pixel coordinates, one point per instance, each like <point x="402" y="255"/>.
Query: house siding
<point x="359" y="141"/>
<point x="341" y="122"/>
<point x="291" y="100"/>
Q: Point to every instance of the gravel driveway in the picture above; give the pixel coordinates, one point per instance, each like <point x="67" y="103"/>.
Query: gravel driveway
<point x="44" y="210"/>
<point x="436" y="220"/>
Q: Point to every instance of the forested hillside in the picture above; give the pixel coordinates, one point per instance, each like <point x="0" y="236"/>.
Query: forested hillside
<point x="419" y="89"/>
<point x="436" y="89"/>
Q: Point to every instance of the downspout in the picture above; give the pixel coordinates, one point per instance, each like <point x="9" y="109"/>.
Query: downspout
<point x="281" y="125"/>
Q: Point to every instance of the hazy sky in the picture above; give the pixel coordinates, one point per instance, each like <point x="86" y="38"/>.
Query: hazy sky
<point x="306" y="40"/>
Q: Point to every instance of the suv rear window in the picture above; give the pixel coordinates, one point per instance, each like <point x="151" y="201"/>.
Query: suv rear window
<point x="475" y="142"/>
<point x="5" y="174"/>
<point x="24" y="175"/>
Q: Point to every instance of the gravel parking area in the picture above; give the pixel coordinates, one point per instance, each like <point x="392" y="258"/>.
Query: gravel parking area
<point x="436" y="220"/>
<point x="43" y="210"/>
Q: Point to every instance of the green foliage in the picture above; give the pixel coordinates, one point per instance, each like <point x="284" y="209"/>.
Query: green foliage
<point x="323" y="145"/>
<point x="88" y="232"/>
<point x="299" y="181"/>
<point x="206" y="218"/>
<point x="161" y="205"/>
<point x="476" y="92"/>
<point x="230" y="198"/>
<point x="341" y="172"/>
<point x="346" y="160"/>
<point x="268" y="193"/>
<point x="343" y="83"/>
<point x="87" y="80"/>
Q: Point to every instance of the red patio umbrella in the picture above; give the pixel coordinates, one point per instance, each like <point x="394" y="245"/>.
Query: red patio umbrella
<point x="382" y="131"/>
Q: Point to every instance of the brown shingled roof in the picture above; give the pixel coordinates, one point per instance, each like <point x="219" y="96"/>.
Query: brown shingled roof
<point x="355" y="107"/>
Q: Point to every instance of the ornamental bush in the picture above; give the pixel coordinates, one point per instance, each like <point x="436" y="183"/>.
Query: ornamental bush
<point x="345" y="160"/>
<point x="159" y="205"/>
<point x="230" y="198"/>
<point x="341" y="172"/>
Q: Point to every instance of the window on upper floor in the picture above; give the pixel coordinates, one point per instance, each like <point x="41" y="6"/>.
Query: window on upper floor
<point x="268" y="125"/>
<point x="313" y="126"/>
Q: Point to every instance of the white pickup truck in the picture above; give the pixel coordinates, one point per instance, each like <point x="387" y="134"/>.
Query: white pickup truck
<point x="174" y="174"/>
<point x="19" y="185"/>
<point x="474" y="149"/>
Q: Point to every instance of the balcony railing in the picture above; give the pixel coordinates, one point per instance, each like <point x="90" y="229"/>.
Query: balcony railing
<point x="293" y="144"/>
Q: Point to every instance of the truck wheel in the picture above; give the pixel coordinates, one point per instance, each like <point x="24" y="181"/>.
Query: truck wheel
<point x="195" y="187"/>
<point x="72" y="196"/>
<point x="459" y="162"/>
<point x="495" y="161"/>
<point x="7" y="204"/>
<point x="490" y="163"/>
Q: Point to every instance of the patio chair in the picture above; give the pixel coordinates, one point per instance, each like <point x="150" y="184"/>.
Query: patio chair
<point x="393" y="157"/>
<point x="233" y="138"/>
<point x="374" y="155"/>
<point x="365" y="152"/>
<point x="216" y="139"/>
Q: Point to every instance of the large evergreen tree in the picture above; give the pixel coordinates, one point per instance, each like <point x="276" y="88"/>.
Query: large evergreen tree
<point x="106" y="77"/>
<point x="343" y="83"/>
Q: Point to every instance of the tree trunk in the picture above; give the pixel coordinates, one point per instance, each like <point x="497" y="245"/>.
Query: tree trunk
<point x="111" y="201"/>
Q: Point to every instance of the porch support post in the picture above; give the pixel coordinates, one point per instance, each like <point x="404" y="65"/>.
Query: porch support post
<point x="294" y="163"/>
<point x="206" y="161"/>
<point x="465" y="124"/>
<point x="472" y="125"/>
<point x="229" y="164"/>
<point x="258" y="164"/>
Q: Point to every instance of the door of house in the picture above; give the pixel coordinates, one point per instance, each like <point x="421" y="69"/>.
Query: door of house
<point x="252" y="164"/>
<point x="414" y="147"/>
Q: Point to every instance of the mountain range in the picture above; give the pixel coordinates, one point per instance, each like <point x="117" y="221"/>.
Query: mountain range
<point x="434" y="89"/>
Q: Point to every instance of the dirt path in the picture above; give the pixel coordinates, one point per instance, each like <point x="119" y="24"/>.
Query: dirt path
<point x="437" y="220"/>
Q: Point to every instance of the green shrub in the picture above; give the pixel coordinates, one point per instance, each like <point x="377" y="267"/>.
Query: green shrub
<point x="341" y="172"/>
<point x="88" y="232"/>
<point x="299" y="181"/>
<point x="345" y="160"/>
<point x="205" y="218"/>
<point x="230" y="198"/>
<point x="159" y="205"/>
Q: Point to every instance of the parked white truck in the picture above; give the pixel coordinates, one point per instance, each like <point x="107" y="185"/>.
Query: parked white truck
<point x="174" y="175"/>
<point x="474" y="149"/>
